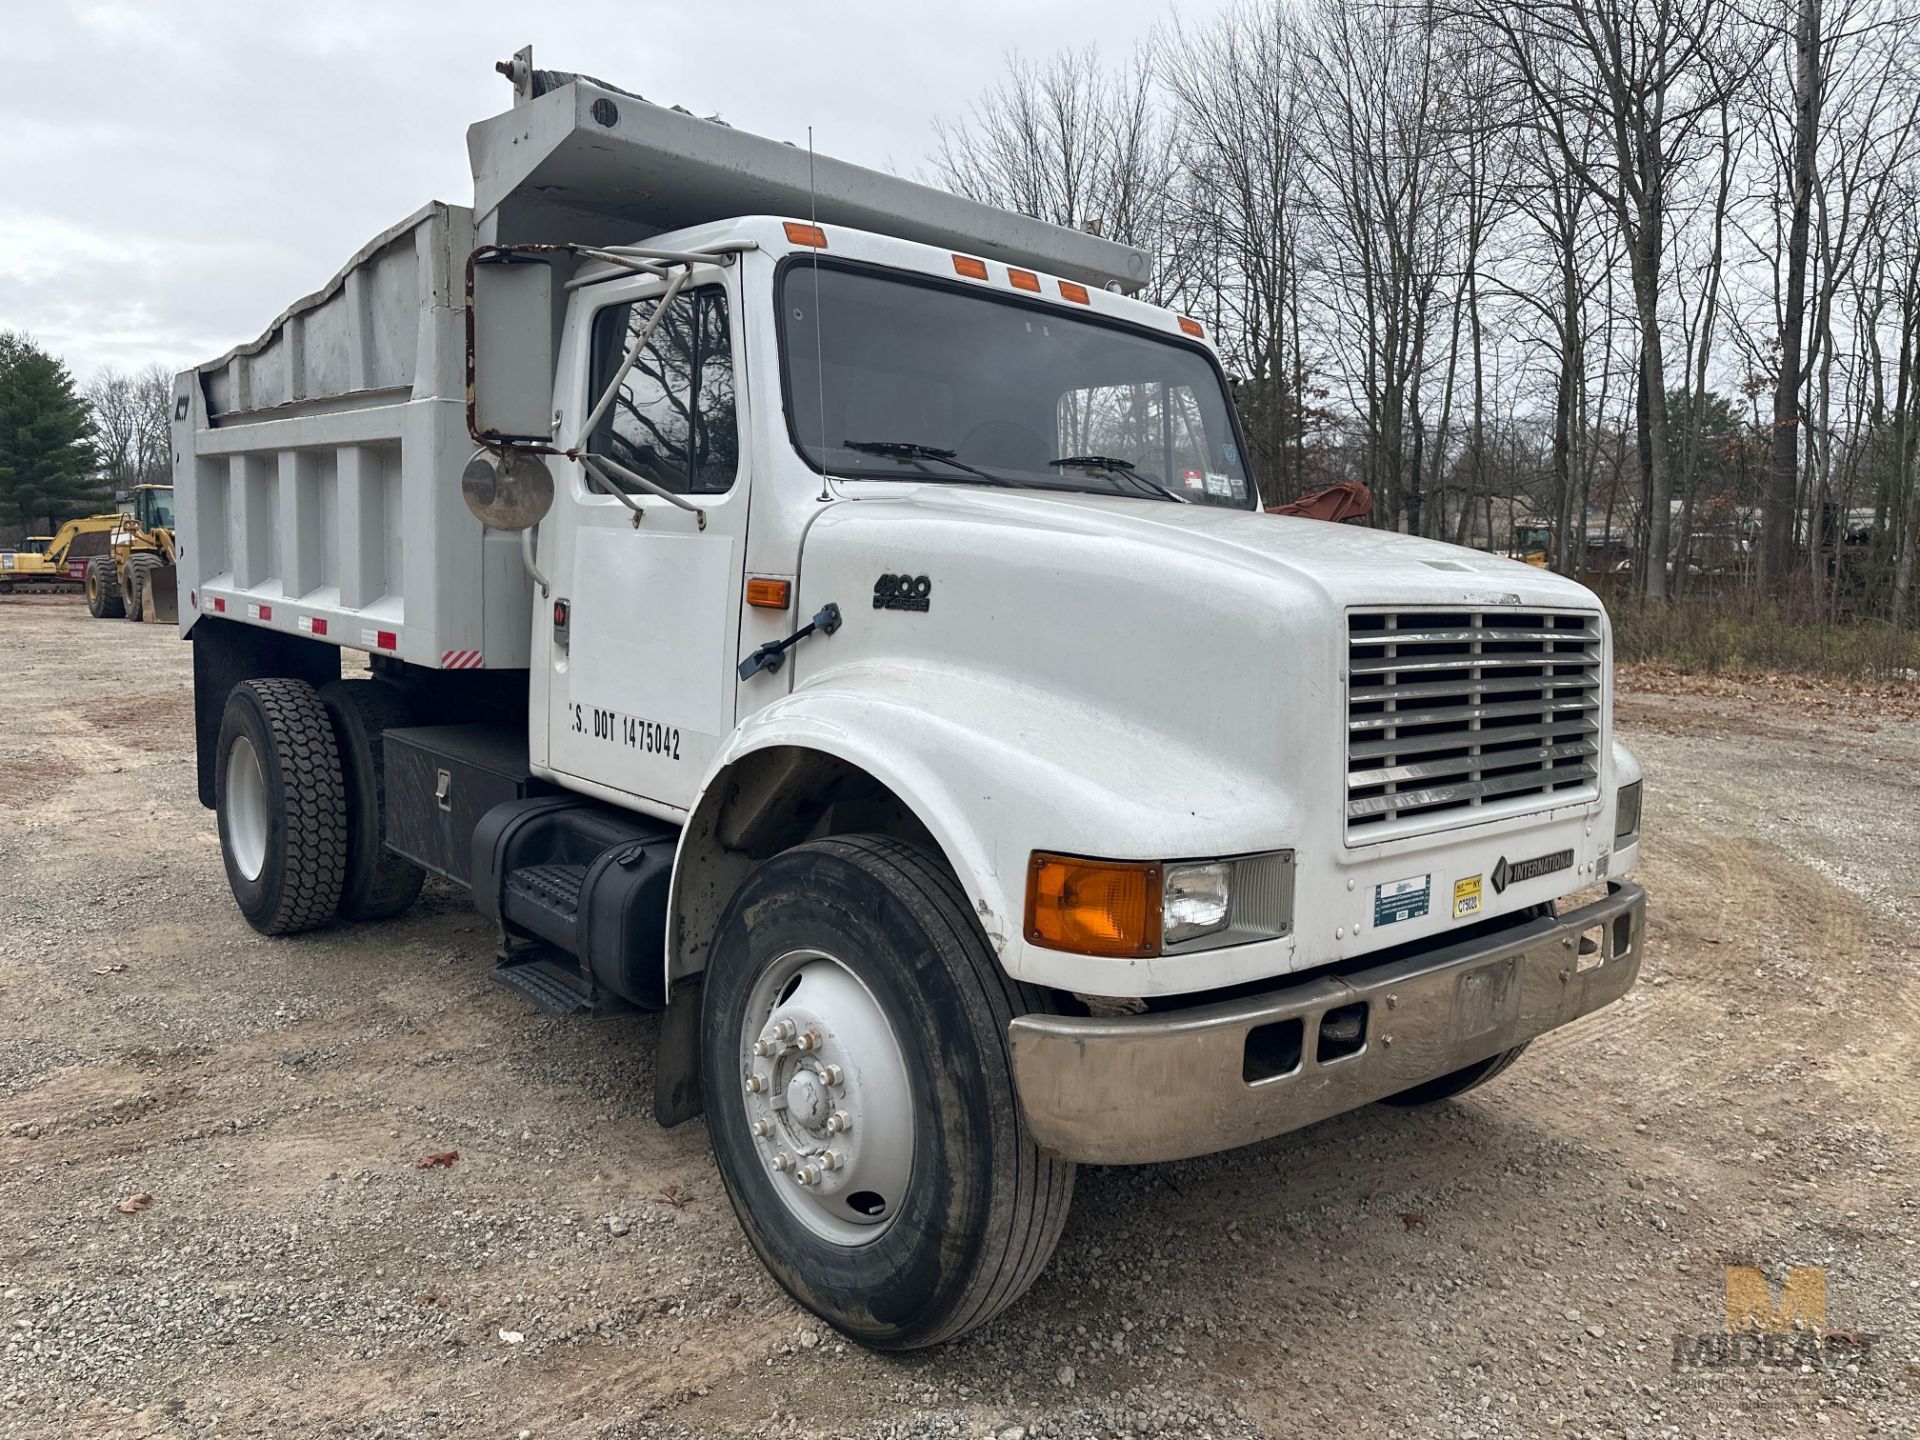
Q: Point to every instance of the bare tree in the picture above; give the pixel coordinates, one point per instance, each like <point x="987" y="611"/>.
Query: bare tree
<point x="1241" y="196"/>
<point x="1652" y="72"/>
<point x="112" y="397"/>
<point x="1067" y="141"/>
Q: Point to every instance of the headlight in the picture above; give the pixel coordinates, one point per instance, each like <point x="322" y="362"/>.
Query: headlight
<point x="1195" y="900"/>
<point x="1626" y="813"/>
<point x="1140" y="908"/>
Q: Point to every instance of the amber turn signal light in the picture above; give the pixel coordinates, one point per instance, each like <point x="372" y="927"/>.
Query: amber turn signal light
<point x="770" y="594"/>
<point x="799" y="234"/>
<point x="1094" y="907"/>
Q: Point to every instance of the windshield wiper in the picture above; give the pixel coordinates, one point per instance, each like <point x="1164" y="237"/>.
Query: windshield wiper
<point x="1121" y="469"/>
<point x="907" y="450"/>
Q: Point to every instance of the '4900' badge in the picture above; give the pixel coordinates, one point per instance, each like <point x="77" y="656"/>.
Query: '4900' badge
<point x="902" y="592"/>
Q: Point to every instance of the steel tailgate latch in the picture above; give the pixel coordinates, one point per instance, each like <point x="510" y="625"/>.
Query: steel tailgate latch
<point x="772" y="655"/>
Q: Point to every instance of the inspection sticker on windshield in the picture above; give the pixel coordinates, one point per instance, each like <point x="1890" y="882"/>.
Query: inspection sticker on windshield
<point x="1466" y="897"/>
<point x="1219" y="484"/>
<point x="1398" y="900"/>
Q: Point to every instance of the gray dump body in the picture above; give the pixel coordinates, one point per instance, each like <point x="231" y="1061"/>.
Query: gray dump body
<point x="317" y="469"/>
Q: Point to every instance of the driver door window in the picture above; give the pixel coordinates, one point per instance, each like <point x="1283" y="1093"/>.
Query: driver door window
<point x="673" y="419"/>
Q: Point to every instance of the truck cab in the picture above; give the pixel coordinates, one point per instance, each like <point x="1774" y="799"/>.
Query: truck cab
<point x="858" y="638"/>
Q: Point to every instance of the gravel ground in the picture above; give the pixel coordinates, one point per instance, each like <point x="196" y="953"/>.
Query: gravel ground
<point x="1516" y="1262"/>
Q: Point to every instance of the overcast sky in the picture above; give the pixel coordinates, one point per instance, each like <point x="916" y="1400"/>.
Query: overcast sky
<point x="173" y="174"/>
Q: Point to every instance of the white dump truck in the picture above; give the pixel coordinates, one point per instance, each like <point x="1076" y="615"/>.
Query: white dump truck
<point x="840" y="616"/>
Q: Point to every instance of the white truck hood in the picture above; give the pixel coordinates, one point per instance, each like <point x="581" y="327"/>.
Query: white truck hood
<point x="1347" y="564"/>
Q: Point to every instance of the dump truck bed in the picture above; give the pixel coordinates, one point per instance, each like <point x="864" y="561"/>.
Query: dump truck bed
<point x="317" y="469"/>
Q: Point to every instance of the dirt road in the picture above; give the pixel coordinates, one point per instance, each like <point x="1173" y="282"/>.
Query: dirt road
<point x="1517" y="1262"/>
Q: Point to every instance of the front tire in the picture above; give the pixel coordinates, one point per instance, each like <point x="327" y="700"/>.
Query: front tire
<point x="134" y="596"/>
<point x="1468" y="1077"/>
<point x="281" y="803"/>
<point x="856" y="968"/>
<point x="103" y="589"/>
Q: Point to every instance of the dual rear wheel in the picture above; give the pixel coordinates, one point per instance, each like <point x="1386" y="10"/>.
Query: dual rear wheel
<point x="297" y="792"/>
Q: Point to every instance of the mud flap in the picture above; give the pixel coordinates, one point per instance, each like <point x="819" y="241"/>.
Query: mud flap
<point x="676" y="1060"/>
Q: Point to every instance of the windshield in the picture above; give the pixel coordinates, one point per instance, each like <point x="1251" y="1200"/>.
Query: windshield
<point x="155" y="510"/>
<point x="913" y="381"/>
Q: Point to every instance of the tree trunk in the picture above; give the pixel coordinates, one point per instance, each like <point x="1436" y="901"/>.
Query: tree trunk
<point x="1776" y="552"/>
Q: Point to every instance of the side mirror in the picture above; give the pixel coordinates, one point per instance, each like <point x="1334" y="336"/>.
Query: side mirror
<point x="509" y="347"/>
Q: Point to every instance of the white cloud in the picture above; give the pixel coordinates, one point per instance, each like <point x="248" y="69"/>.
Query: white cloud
<point x="176" y="174"/>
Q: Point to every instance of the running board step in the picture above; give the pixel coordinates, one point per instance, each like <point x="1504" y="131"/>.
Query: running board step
<point x="555" y="986"/>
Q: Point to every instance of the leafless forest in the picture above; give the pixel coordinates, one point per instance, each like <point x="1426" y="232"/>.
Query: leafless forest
<point x="1632" y="285"/>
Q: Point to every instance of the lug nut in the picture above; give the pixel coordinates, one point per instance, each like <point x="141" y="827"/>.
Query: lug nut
<point x="783" y="1162"/>
<point x="766" y="1048"/>
<point x="838" y="1123"/>
<point x="831" y="1160"/>
<point x="763" y="1128"/>
<point x="809" y="1040"/>
<point x="807" y="1175"/>
<point x="831" y="1075"/>
<point x="755" y="1084"/>
<point x="783" y="1029"/>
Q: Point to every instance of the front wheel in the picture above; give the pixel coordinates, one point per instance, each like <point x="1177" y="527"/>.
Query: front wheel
<point x="860" y="1097"/>
<point x="1468" y="1077"/>
<point x="103" y="589"/>
<point x="134" y="595"/>
<point x="281" y="803"/>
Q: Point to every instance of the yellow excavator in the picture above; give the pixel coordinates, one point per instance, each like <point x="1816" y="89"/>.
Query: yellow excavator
<point x="58" y="562"/>
<point x="134" y="578"/>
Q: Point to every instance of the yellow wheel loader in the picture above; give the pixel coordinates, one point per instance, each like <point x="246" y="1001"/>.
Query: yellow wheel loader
<point x="134" y="577"/>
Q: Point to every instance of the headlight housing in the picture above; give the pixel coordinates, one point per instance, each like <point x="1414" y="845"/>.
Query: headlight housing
<point x="1140" y="908"/>
<point x="1626" y="813"/>
<point x="1195" y="900"/>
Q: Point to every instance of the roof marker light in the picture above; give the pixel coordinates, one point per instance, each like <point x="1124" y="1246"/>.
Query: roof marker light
<point x="1076" y="293"/>
<point x="1193" y="327"/>
<point x="799" y="233"/>
<point x="971" y="268"/>
<point x="1024" y="279"/>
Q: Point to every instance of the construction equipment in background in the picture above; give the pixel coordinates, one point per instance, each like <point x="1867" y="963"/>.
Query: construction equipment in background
<point x="1533" y="543"/>
<point x="58" y="562"/>
<point x="134" y="578"/>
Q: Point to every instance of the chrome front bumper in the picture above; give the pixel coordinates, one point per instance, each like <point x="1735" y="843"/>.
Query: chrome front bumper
<point x="1173" y="1084"/>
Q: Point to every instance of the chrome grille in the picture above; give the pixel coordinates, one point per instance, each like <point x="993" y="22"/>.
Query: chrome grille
<point x="1459" y="715"/>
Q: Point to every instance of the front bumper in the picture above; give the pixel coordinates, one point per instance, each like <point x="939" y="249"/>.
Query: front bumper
<point x="1166" y="1086"/>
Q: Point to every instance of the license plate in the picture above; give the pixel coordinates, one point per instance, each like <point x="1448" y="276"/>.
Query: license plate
<point x="1485" y="998"/>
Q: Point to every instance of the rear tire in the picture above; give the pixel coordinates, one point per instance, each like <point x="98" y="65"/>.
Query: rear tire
<point x="1468" y="1077"/>
<point x="872" y="947"/>
<point x="281" y="803"/>
<point x="134" y="596"/>
<point x="378" y="884"/>
<point x="103" y="589"/>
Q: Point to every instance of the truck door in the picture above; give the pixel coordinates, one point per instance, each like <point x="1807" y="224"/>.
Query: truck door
<point x="641" y="679"/>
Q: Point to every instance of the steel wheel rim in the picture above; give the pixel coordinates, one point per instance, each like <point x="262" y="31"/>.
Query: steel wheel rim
<point x="246" y="808"/>
<point x="829" y="1107"/>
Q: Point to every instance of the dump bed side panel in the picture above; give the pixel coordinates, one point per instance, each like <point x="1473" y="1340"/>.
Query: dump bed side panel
<point x="317" y="470"/>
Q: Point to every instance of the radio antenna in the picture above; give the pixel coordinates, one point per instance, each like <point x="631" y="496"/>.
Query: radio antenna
<point x="819" y="362"/>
